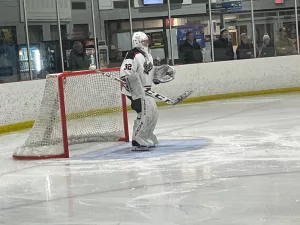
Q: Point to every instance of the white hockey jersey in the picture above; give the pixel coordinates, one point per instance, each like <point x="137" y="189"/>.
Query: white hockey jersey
<point x="139" y="63"/>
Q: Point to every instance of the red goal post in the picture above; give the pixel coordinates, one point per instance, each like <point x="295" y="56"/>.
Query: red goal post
<point x="77" y="107"/>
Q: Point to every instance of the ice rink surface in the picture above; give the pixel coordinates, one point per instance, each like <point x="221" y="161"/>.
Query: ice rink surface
<point x="229" y="162"/>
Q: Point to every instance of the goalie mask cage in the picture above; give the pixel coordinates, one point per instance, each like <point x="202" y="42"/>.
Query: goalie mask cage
<point x="77" y="107"/>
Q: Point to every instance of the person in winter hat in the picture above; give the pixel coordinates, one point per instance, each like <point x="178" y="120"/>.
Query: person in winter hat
<point x="223" y="49"/>
<point x="268" y="49"/>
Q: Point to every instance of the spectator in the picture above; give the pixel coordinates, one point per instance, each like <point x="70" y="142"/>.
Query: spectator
<point x="284" y="46"/>
<point x="190" y="51"/>
<point x="78" y="59"/>
<point x="246" y="49"/>
<point x="295" y="44"/>
<point x="223" y="47"/>
<point x="268" y="49"/>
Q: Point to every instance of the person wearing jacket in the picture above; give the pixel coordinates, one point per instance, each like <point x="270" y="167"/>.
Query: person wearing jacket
<point x="78" y="59"/>
<point x="246" y="49"/>
<point x="284" y="46"/>
<point x="268" y="49"/>
<point x="223" y="49"/>
<point x="190" y="51"/>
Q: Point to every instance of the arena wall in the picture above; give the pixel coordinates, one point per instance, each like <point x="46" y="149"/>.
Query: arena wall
<point x="20" y="101"/>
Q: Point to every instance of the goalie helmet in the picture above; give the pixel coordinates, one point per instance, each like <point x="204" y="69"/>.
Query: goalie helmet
<point x="141" y="41"/>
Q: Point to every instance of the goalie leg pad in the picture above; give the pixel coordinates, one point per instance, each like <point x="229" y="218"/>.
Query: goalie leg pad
<point x="146" y="121"/>
<point x="134" y="86"/>
<point x="152" y="122"/>
<point x="154" y="140"/>
<point x="136" y="105"/>
<point x="138" y="139"/>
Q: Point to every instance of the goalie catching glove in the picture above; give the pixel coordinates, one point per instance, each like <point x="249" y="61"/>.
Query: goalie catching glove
<point x="163" y="74"/>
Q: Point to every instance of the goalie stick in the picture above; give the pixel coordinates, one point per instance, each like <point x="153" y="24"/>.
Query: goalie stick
<point x="156" y="95"/>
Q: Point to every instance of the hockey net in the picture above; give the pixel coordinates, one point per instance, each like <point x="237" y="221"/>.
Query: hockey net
<point x="77" y="107"/>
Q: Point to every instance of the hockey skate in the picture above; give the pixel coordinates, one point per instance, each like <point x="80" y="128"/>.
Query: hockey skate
<point x="137" y="147"/>
<point x="138" y="143"/>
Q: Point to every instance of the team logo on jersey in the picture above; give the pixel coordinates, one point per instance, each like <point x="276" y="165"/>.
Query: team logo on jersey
<point x="148" y="66"/>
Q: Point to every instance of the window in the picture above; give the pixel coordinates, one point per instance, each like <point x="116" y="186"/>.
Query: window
<point x="199" y="1"/>
<point x="35" y="33"/>
<point x="8" y="54"/>
<point x="81" y="31"/>
<point x="120" y="5"/>
<point x="8" y="35"/>
<point x="78" y="5"/>
<point x="135" y="25"/>
<point x="153" y="23"/>
<point x="54" y="32"/>
<point x="286" y="13"/>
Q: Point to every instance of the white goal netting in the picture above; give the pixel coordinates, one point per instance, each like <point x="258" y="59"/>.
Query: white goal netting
<point x="94" y="112"/>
